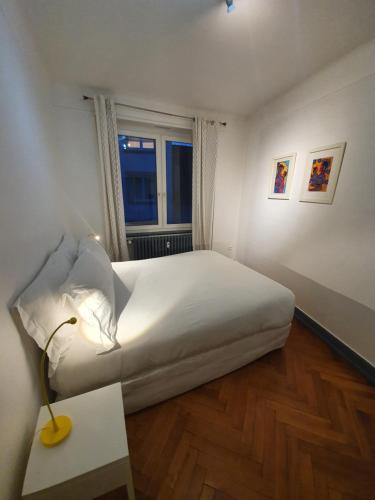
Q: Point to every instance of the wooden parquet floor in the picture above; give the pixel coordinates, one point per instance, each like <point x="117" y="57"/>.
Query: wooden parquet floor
<point x="297" y="424"/>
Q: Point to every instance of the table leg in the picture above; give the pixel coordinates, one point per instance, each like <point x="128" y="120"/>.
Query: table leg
<point x="129" y="481"/>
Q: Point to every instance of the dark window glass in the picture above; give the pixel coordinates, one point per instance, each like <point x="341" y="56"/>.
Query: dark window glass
<point x="179" y="182"/>
<point x="139" y="180"/>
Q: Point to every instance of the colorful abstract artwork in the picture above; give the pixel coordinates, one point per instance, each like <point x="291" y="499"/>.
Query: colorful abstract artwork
<point x="319" y="175"/>
<point x="281" y="177"/>
<point x="322" y="173"/>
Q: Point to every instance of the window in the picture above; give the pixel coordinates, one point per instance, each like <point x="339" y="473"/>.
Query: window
<point x="156" y="174"/>
<point x="179" y="181"/>
<point x="139" y="180"/>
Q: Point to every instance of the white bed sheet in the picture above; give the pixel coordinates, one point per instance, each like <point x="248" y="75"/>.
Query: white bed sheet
<point x="172" y="308"/>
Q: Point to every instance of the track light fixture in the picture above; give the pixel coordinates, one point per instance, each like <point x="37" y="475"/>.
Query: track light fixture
<point x="230" y="6"/>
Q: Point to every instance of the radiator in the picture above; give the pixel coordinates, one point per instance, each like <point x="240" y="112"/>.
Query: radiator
<point x="158" y="245"/>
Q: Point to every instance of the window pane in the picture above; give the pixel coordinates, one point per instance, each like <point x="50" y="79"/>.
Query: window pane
<point x="139" y="180"/>
<point x="134" y="143"/>
<point x="148" y="144"/>
<point x="179" y="182"/>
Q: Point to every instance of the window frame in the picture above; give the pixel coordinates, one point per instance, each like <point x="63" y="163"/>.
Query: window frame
<point x="161" y="179"/>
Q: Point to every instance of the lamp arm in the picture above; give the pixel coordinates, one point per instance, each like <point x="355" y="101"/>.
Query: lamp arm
<point x="71" y="321"/>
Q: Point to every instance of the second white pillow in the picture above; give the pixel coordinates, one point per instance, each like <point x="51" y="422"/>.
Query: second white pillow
<point x="90" y="290"/>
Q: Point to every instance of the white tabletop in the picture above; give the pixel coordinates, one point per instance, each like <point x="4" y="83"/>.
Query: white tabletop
<point x="98" y="438"/>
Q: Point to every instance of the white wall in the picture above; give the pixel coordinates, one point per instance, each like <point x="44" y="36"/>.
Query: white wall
<point x="229" y="173"/>
<point x="31" y="224"/>
<point x="76" y="158"/>
<point x="78" y="167"/>
<point x="324" y="253"/>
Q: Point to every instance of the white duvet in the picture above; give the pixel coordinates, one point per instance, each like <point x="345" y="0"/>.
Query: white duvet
<point x="172" y="308"/>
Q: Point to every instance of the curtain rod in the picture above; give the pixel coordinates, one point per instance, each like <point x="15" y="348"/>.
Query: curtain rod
<point x="86" y="97"/>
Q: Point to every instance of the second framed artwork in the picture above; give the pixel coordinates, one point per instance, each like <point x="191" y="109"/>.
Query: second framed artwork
<point x="282" y="176"/>
<point x="322" y="173"/>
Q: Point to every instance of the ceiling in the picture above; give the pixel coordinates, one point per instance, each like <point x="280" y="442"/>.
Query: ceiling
<point x="191" y="52"/>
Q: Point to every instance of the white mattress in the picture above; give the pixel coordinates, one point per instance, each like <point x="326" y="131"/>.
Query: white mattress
<point x="174" y="308"/>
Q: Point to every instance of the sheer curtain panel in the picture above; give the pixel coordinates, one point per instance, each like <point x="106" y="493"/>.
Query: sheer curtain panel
<point x="204" y="168"/>
<point x="114" y="217"/>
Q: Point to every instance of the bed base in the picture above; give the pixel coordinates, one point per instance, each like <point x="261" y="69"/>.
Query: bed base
<point x="169" y="381"/>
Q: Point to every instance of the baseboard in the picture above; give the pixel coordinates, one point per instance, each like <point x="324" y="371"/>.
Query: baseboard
<point x="363" y="366"/>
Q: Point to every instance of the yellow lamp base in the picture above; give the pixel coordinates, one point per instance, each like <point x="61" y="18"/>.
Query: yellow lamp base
<point x="50" y="437"/>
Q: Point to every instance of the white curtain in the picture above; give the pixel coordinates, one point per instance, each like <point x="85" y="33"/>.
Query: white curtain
<point x="114" y="218"/>
<point x="204" y="167"/>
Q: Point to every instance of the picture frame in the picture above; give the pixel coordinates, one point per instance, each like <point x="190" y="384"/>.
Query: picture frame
<point x="322" y="173"/>
<point x="281" y="178"/>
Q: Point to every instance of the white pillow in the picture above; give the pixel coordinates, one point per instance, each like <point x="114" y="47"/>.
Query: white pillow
<point x="90" y="291"/>
<point x="40" y="305"/>
<point x="69" y="248"/>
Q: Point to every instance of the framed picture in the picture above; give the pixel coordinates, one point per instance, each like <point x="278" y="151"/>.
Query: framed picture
<point x="282" y="176"/>
<point x="322" y="173"/>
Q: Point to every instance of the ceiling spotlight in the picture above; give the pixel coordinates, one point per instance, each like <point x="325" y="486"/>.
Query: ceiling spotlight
<point x="230" y="6"/>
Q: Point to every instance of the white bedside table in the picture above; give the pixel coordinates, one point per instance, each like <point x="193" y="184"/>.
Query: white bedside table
<point x="92" y="461"/>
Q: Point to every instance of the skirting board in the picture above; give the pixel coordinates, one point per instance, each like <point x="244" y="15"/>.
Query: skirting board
<point x="363" y="366"/>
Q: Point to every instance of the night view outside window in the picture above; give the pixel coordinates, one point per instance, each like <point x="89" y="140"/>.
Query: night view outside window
<point x="139" y="180"/>
<point x="156" y="177"/>
<point x="179" y="182"/>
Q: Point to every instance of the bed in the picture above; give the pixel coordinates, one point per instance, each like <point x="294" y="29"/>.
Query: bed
<point x="182" y="320"/>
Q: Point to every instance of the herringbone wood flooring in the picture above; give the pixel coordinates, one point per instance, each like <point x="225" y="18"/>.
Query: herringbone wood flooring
<point x="297" y="424"/>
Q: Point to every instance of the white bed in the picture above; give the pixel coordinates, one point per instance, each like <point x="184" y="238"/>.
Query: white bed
<point x="182" y="320"/>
